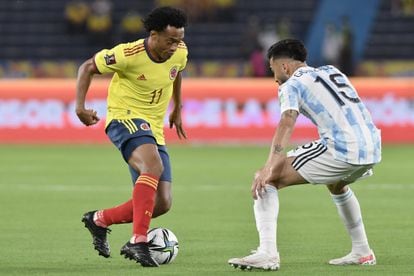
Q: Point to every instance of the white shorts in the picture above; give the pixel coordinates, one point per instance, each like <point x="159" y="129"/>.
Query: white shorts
<point x="316" y="163"/>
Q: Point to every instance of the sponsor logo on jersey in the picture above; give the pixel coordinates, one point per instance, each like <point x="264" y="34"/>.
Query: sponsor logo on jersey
<point x="110" y="59"/>
<point x="173" y="72"/>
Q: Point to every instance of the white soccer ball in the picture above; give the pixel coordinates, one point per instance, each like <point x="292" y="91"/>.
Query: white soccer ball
<point x="163" y="245"/>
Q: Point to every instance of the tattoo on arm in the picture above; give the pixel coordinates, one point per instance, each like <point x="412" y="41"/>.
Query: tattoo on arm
<point x="286" y="125"/>
<point x="277" y="149"/>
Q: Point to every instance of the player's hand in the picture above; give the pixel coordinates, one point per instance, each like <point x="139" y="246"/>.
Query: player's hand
<point x="258" y="184"/>
<point x="175" y="120"/>
<point x="87" y="116"/>
<point x="269" y="174"/>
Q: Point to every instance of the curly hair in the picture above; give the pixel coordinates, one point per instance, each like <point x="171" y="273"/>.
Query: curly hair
<point x="161" y="17"/>
<point x="290" y="48"/>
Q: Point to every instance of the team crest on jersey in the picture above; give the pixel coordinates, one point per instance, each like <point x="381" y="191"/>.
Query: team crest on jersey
<point x="145" y="126"/>
<point x="110" y="59"/>
<point x="173" y="72"/>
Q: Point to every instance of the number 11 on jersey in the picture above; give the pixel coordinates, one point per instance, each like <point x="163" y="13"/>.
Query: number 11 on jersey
<point x="156" y="96"/>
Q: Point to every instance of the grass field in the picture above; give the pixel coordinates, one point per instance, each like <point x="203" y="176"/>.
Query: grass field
<point x="44" y="190"/>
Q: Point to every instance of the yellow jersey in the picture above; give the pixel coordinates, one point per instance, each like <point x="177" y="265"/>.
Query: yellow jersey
<point x="140" y="87"/>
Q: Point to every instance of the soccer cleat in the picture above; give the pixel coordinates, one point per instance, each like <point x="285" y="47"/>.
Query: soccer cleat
<point x="257" y="260"/>
<point x="355" y="259"/>
<point x="140" y="253"/>
<point x="98" y="234"/>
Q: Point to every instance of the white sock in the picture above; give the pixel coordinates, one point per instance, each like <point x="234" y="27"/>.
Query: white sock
<point x="266" y="210"/>
<point x="350" y="213"/>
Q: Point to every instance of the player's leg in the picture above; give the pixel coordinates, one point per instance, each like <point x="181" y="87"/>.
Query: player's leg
<point x="146" y="160"/>
<point x="163" y="200"/>
<point x="119" y="214"/>
<point x="99" y="234"/>
<point x="123" y="213"/>
<point x="301" y="166"/>
<point x="97" y="222"/>
<point x="318" y="165"/>
<point x="350" y="213"/>
<point x="137" y="249"/>
<point x="139" y="209"/>
<point x="266" y="210"/>
<point x="137" y="144"/>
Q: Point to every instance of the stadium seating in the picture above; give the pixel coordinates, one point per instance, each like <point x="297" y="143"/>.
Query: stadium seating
<point x="392" y="36"/>
<point x="35" y="31"/>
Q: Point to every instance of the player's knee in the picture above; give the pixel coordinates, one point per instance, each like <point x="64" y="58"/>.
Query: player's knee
<point x="280" y="185"/>
<point x="153" y="167"/>
<point x="337" y="189"/>
<point x="145" y="159"/>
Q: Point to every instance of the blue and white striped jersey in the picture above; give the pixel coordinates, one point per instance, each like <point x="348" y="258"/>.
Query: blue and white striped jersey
<point x="329" y="100"/>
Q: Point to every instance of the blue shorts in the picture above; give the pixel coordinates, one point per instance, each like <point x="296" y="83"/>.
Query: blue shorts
<point x="129" y="134"/>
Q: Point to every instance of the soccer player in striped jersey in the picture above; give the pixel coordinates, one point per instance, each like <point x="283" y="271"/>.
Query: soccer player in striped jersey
<point x="146" y="75"/>
<point x="348" y="148"/>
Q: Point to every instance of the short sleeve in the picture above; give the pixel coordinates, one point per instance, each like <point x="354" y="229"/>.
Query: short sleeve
<point x="288" y="97"/>
<point x="110" y="60"/>
<point x="184" y="63"/>
<point x="184" y="52"/>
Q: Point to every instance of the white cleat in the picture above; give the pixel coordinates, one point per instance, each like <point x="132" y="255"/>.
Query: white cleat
<point x="257" y="260"/>
<point x="355" y="259"/>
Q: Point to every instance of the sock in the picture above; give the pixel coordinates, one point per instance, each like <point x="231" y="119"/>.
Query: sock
<point x="143" y="201"/>
<point x="99" y="220"/>
<point x="350" y="213"/>
<point x="116" y="215"/>
<point x="266" y="210"/>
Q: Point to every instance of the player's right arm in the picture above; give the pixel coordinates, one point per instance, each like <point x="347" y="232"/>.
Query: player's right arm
<point x="85" y="76"/>
<point x="274" y="165"/>
<point x="289" y="106"/>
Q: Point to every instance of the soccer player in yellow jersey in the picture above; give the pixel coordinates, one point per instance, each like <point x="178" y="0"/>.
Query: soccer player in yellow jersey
<point x="146" y="75"/>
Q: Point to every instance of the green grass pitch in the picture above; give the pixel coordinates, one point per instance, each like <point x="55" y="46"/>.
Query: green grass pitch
<point x="44" y="190"/>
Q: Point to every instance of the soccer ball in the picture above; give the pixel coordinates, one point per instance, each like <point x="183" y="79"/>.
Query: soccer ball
<point x="163" y="245"/>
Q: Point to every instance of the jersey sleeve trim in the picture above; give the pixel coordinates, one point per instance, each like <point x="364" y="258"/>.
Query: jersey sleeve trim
<point x="289" y="108"/>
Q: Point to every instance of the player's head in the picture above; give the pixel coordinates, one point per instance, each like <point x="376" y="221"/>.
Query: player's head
<point x="285" y="57"/>
<point x="166" y="28"/>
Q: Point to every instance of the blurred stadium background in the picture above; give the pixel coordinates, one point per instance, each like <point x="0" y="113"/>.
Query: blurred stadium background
<point x="44" y="41"/>
<point x="229" y="101"/>
<point x="49" y="38"/>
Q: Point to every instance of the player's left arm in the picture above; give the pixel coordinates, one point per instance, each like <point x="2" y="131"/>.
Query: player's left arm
<point x="277" y="155"/>
<point x="175" y="116"/>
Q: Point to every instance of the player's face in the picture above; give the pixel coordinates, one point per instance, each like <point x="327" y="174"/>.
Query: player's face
<point x="280" y="70"/>
<point x="166" y="41"/>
